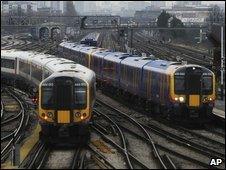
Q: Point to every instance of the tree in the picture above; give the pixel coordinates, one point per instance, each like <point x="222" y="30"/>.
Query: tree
<point x="177" y="23"/>
<point x="70" y="9"/>
<point x="166" y="20"/>
<point x="163" y="19"/>
<point x="215" y="15"/>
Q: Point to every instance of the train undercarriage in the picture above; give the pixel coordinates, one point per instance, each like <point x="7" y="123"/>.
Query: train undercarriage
<point x="62" y="135"/>
<point x="177" y="112"/>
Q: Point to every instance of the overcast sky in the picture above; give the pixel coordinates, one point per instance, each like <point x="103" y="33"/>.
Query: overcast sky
<point x="168" y="3"/>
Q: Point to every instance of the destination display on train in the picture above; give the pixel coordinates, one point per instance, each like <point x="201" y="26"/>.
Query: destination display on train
<point x="79" y="84"/>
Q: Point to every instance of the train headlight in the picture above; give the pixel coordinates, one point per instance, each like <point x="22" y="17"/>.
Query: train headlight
<point x="84" y="114"/>
<point x="206" y="99"/>
<point x="50" y="115"/>
<point x="181" y="99"/>
<point x="77" y="114"/>
<point x="176" y="98"/>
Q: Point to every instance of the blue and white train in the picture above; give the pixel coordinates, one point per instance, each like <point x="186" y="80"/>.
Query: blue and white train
<point x="173" y="88"/>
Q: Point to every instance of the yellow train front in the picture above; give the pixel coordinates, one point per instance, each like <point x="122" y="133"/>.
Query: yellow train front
<point x="192" y="91"/>
<point x="66" y="100"/>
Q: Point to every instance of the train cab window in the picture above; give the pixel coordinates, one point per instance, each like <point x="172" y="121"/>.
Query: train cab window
<point x="179" y="84"/>
<point x="79" y="97"/>
<point x="46" y="73"/>
<point x="6" y="63"/>
<point x="207" y="85"/>
<point x="47" y="97"/>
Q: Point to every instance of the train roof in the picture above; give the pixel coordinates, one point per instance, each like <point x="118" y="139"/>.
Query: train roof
<point x="162" y="64"/>
<point x="101" y="53"/>
<point x="117" y="56"/>
<point x="50" y="62"/>
<point x="72" y="45"/>
<point x="70" y="67"/>
<point x="138" y="62"/>
<point x="87" y="49"/>
<point x="25" y="55"/>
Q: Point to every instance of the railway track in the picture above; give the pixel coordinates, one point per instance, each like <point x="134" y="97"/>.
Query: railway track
<point x="44" y="47"/>
<point x="37" y="46"/>
<point x="185" y="49"/>
<point x="192" y="148"/>
<point x="44" y="156"/>
<point x="14" y="43"/>
<point x="215" y="130"/>
<point x="130" y="157"/>
<point x="168" y="51"/>
<point x="2" y="108"/>
<point x="210" y="132"/>
<point x="11" y="126"/>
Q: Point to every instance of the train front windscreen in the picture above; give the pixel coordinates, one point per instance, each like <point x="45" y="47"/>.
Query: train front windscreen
<point x="64" y="94"/>
<point x="193" y="81"/>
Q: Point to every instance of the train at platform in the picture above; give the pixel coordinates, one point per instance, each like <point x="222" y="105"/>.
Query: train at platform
<point x="173" y="89"/>
<point x="66" y="92"/>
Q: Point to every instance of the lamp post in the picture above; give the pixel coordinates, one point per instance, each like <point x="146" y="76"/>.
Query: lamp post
<point x="222" y="62"/>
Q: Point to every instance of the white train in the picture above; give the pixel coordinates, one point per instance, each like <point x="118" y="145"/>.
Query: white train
<point x="66" y="90"/>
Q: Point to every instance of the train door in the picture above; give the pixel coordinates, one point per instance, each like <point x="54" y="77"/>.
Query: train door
<point x="63" y="88"/>
<point x="193" y="76"/>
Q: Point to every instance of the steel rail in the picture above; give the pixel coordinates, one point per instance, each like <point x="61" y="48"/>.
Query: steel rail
<point x="180" y="48"/>
<point x="162" y="147"/>
<point x="192" y="145"/>
<point x="122" y="137"/>
<point x="167" y="161"/>
<point x="16" y="134"/>
<point x="38" y="151"/>
<point x="172" y="51"/>
<point x="75" y="159"/>
<point x="101" y="156"/>
<point x="2" y="109"/>
<point x="118" y="147"/>
<point x="82" y="160"/>
<point x="195" y="146"/>
<point x="222" y="134"/>
<point x="199" y="135"/>
<point x="44" y="157"/>
<point x="142" y="128"/>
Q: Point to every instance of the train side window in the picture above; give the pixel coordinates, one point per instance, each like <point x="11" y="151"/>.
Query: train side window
<point x="92" y="91"/>
<point x="37" y="72"/>
<point x="179" y="84"/>
<point x="7" y="63"/>
<point x="24" y="67"/>
<point x="144" y="80"/>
